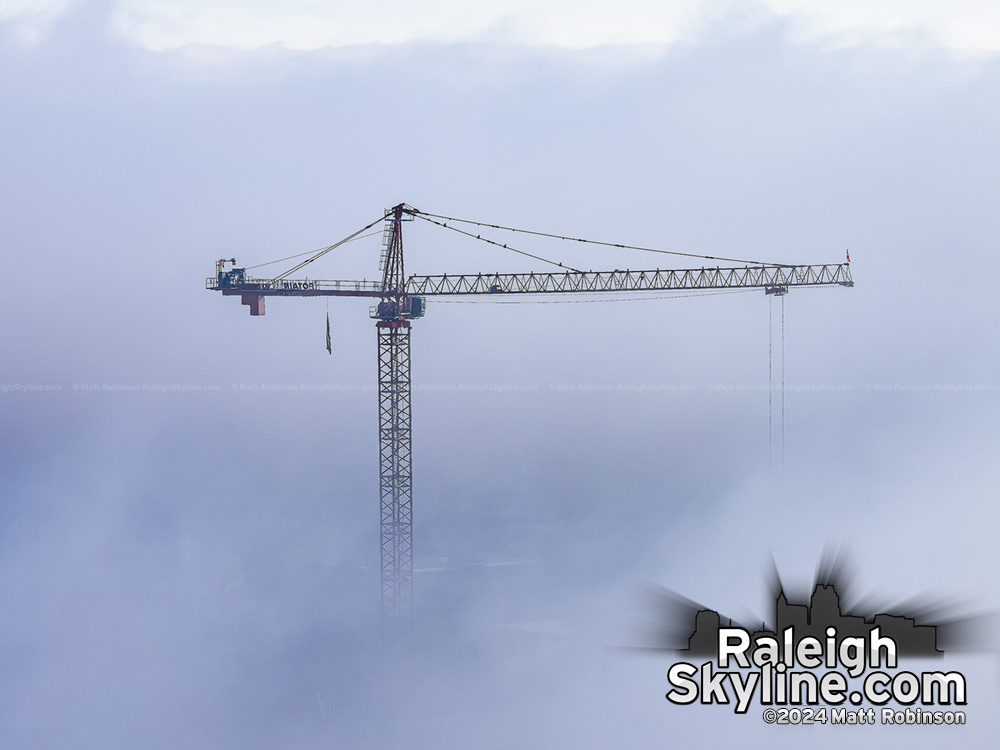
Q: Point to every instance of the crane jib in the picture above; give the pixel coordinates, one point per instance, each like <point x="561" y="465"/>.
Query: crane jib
<point x="772" y="279"/>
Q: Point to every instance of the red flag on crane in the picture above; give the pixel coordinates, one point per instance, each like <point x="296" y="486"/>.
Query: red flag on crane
<point x="848" y="256"/>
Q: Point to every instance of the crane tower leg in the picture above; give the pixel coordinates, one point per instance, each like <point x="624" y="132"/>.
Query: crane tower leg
<point x="395" y="484"/>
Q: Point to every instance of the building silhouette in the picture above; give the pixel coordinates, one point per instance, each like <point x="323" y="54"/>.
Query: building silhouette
<point x="822" y="612"/>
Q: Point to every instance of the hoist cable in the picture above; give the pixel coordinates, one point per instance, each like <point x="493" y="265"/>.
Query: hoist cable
<point x="782" y="396"/>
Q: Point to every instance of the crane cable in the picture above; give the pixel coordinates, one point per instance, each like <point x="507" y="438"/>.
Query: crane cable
<point x="770" y="391"/>
<point x="309" y="252"/>
<point x="593" y="242"/>
<point x="492" y="242"/>
<point x="317" y="254"/>
<point x="334" y="246"/>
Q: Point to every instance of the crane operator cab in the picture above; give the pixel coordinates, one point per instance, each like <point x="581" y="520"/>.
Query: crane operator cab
<point x="231" y="278"/>
<point x="409" y="307"/>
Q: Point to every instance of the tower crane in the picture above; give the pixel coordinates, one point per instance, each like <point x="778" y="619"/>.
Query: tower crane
<point x="402" y="299"/>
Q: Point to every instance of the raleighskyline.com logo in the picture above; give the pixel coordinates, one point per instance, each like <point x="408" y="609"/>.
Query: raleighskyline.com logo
<point x="784" y="668"/>
<point x="816" y="665"/>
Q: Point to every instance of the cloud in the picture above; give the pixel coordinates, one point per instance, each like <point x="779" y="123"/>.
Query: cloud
<point x="961" y="25"/>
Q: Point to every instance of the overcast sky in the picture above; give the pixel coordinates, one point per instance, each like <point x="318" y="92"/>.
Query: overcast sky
<point x="311" y="24"/>
<point x="199" y="568"/>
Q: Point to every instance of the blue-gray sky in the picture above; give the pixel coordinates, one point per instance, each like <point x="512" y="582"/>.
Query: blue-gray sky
<point x="198" y="568"/>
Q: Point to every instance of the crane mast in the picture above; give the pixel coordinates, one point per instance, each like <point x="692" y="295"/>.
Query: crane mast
<point x="402" y="299"/>
<point x="394" y="452"/>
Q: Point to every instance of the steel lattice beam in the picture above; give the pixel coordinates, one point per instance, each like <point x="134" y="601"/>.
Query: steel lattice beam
<point x="395" y="484"/>
<point x="633" y="281"/>
<point x="654" y="280"/>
